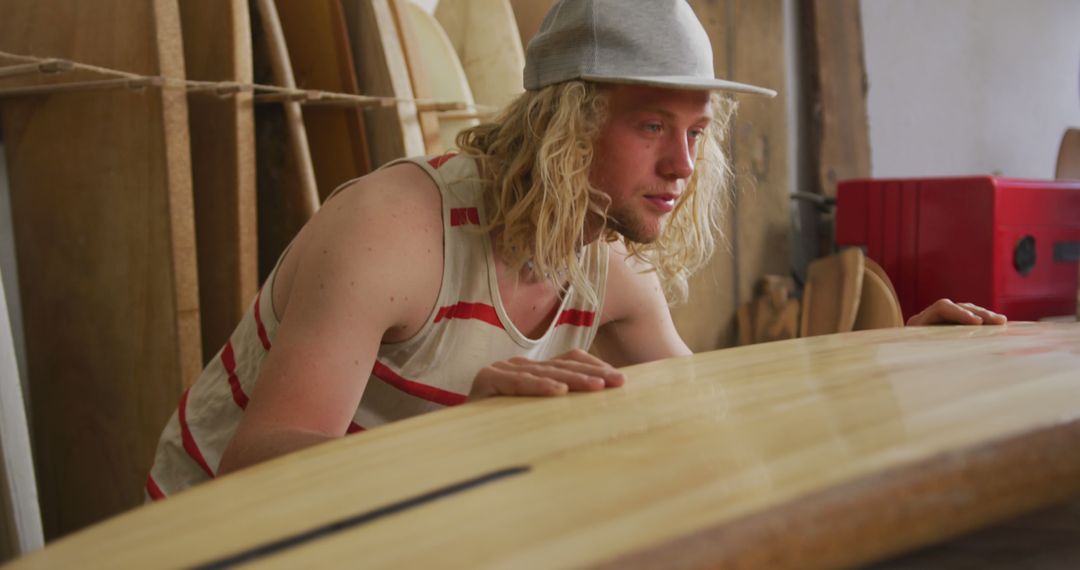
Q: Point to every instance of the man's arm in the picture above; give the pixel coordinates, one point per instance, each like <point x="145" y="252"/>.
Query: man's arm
<point x="369" y="263"/>
<point x="637" y="325"/>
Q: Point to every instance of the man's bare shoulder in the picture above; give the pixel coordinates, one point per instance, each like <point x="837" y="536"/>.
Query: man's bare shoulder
<point x="381" y="234"/>
<point x="401" y="201"/>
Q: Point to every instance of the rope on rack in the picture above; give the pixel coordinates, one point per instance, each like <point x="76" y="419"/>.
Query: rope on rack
<point x="30" y="65"/>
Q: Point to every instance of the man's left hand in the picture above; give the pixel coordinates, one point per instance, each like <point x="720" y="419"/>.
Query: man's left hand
<point x="945" y="311"/>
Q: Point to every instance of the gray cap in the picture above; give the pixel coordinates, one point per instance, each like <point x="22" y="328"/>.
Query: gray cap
<point x="650" y="42"/>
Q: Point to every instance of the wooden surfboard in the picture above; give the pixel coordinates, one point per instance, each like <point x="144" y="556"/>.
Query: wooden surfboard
<point x="104" y="225"/>
<point x="879" y="307"/>
<point x="445" y="74"/>
<point x="828" y="451"/>
<point x="418" y="75"/>
<point x="217" y="47"/>
<point x="831" y="296"/>
<point x="1068" y="159"/>
<point x="321" y="57"/>
<point x="485" y="35"/>
<point x="393" y="131"/>
<point x="288" y="194"/>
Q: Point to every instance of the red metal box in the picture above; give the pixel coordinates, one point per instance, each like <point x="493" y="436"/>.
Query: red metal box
<point x="1006" y="244"/>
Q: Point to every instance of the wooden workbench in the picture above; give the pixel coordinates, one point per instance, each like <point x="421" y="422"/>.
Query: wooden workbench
<point x="828" y="451"/>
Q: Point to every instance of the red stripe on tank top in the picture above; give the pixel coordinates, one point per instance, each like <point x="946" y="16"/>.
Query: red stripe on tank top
<point x="438" y="161"/>
<point x="152" y="489"/>
<point x="414" y="388"/>
<point x="228" y="361"/>
<point x="263" y="337"/>
<point x="354" y="428"/>
<point x="576" y="317"/>
<point x="464" y="310"/>
<point x="190" y="446"/>
<point x="464" y="216"/>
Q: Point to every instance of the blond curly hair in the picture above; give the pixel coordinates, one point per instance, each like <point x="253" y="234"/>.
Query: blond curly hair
<point x="535" y="158"/>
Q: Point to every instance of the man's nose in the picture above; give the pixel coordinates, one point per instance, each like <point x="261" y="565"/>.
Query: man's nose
<point x="677" y="163"/>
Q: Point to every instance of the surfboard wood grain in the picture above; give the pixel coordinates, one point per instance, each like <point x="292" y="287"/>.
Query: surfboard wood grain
<point x="830" y="451"/>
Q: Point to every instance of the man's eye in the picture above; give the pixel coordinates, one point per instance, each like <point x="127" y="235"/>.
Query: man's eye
<point x="696" y="134"/>
<point x="653" y="127"/>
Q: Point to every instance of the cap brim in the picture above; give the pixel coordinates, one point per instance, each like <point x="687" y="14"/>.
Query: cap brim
<point x="694" y="83"/>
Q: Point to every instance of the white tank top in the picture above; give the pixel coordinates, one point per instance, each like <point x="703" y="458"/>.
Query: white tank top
<point x="467" y="330"/>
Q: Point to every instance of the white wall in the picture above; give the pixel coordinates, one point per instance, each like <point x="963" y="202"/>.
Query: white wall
<point x="970" y="86"/>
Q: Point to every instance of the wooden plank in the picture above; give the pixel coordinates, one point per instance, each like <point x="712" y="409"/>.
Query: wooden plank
<point x="485" y="36"/>
<point x="836" y="92"/>
<point x="20" y="515"/>
<point x="393" y="131"/>
<point x="104" y="224"/>
<point x="419" y="74"/>
<point x="834" y="286"/>
<point x="831" y="451"/>
<point x="217" y="47"/>
<point x="1067" y="166"/>
<point x="321" y="58"/>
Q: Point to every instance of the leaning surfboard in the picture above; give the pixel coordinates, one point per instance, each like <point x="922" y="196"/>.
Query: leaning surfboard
<point x="828" y="451"/>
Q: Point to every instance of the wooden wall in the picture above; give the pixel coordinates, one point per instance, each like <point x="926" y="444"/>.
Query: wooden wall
<point x="748" y="46"/>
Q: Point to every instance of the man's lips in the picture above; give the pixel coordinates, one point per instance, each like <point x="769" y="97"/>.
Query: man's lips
<point x="664" y="202"/>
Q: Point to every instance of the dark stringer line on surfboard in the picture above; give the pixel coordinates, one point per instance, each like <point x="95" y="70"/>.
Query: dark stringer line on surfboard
<point x="326" y="530"/>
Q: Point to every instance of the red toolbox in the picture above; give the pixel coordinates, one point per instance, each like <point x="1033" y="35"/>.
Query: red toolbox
<point x="1009" y="245"/>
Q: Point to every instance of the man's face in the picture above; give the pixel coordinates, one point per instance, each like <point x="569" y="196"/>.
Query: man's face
<point x="645" y="154"/>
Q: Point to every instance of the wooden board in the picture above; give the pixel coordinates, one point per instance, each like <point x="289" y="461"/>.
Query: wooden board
<point x="20" y="515"/>
<point x="321" y="58"/>
<point x="1067" y="166"/>
<point x="217" y="47"/>
<point x="879" y="306"/>
<point x="834" y="286"/>
<point x="821" y="452"/>
<point x="447" y="78"/>
<point x="393" y="131"/>
<point x="836" y="91"/>
<point x="104" y="224"/>
<point x="747" y="38"/>
<point x="287" y="190"/>
<point x="484" y="33"/>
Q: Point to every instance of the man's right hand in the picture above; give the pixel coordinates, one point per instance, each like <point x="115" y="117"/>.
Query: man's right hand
<point x="576" y="371"/>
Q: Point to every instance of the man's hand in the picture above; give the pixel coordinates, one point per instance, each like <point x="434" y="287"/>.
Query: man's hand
<point x="944" y="311"/>
<point x="576" y="371"/>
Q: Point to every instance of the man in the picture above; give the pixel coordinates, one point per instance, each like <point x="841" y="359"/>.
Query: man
<point x="558" y="227"/>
